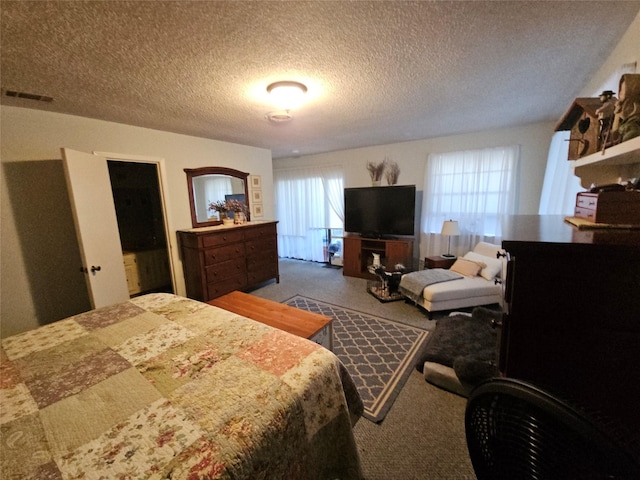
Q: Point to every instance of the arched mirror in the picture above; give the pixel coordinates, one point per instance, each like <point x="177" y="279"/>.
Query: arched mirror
<point x="213" y="184"/>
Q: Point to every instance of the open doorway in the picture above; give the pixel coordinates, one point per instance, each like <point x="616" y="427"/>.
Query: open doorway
<point x="141" y="224"/>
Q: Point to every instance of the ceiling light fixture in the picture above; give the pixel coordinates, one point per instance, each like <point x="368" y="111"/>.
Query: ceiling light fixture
<point x="287" y="95"/>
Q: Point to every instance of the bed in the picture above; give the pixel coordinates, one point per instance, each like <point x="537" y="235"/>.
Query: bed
<point x="455" y="291"/>
<point x="164" y="387"/>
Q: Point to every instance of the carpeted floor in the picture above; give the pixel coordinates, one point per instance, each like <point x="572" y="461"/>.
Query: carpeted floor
<point x="378" y="353"/>
<point x="422" y="436"/>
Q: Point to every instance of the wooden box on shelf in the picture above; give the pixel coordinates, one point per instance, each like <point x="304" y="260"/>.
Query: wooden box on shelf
<point x="613" y="207"/>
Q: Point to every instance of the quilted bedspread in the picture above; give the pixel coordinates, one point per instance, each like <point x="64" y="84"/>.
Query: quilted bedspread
<point x="164" y="387"/>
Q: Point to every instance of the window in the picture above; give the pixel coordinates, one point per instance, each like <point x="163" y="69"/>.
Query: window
<point x="309" y="202"/>
<point x="560" y="187"/>
<point x="476" y="188"/>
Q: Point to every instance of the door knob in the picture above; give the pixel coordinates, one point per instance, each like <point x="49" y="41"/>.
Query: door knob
<point x="95" y="269"/>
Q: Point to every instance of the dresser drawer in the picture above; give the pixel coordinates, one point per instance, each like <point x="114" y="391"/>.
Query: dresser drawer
<point x="222" y="238"/>
<point x="260" y="246"/>
<point x="262" y="275"/>
<point x="587" y="213"/>
<point x="588" y="201"/>
<point x="230" y="284"/>
<point x="221" y="254"/>
<point x="223" y="270"/>
<point x="261" y="231"/>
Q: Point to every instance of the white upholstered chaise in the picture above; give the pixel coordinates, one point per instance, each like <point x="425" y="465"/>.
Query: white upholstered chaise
<point x="467" y="292"/>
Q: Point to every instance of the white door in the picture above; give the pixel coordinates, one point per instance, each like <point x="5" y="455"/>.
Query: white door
<point x="96" y="227"/>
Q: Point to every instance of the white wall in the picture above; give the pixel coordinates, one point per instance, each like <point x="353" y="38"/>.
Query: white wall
<point x="626" y="52"/>
<point x="412" y="158"/>
<point x="39" y="280"/>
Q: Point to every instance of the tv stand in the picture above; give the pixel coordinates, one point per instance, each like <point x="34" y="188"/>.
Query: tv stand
<point x="359" y="250"/>
<point x="378" y="236"/>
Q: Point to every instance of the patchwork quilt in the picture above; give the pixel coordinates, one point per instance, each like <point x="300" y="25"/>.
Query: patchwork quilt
<point x="164" y="387"/>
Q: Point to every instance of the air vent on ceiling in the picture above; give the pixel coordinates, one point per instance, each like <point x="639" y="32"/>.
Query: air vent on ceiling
<point x="28" y="96"/>
<point x="279" y="116"/>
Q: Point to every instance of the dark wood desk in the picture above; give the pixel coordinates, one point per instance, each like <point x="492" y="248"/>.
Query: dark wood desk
<point x="572" y="322"/>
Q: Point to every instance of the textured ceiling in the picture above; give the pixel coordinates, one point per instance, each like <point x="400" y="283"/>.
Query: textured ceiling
<point x="377" y="71"/>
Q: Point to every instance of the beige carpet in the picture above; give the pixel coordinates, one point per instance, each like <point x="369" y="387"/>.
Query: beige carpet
<point x="422" y="436"/>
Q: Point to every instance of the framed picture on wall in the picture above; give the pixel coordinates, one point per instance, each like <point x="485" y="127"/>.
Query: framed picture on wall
<point x="256" y="196"/>
<point x="257" y="211"/>
<point x="255" y="181"/>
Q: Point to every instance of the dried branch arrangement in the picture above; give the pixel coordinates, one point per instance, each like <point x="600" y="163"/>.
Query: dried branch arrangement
<point x="376" y="170"/>
<point x="392" y="173"/>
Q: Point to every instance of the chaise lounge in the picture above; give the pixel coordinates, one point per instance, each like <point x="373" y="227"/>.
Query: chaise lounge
<point x="466" y="284"/>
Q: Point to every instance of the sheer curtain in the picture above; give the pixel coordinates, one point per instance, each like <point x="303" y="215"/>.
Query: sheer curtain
<point x="213" y="188"/>
<point x="560" y="187"/>
<point x="476" y="188"/>
<point x="308" y="201"/>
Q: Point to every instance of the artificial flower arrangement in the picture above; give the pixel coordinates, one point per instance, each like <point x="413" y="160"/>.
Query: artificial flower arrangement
<point x="224" y="208"/>
<point x="221" y="207"/>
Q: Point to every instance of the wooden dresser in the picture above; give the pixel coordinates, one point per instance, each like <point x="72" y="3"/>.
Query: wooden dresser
<point x="572" y="321"/>
<point x="219" y="260"/>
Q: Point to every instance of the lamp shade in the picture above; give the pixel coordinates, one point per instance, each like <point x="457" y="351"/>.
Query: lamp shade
<point x="450" y="228"/>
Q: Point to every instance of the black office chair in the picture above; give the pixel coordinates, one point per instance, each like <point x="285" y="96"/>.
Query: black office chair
<point x="516" y="430"/>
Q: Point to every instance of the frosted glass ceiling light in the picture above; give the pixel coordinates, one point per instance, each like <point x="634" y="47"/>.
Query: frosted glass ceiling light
<point x="287" y="95"/>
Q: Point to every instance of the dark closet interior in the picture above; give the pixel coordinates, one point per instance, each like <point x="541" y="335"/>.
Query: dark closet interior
<point x="138" y="204"/>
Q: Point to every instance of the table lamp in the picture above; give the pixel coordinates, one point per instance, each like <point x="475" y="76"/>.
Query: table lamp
<point x="450" y="229"/>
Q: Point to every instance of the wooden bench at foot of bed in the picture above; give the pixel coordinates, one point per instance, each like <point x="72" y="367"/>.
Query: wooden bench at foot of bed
<point x="313" y="326"/>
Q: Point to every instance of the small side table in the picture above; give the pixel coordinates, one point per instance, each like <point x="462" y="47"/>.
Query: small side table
<point x="438" y="262"/>
<point x="386" y="288"/>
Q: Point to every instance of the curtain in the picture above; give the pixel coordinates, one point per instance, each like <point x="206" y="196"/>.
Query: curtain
<point x="476" y="188"/>
<point x="309" y="201"/>
<point x="207" y="189"/>
<point x="560" y="187"/>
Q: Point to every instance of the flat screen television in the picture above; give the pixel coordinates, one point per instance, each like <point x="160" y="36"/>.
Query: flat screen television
<point x="380" y="212"/>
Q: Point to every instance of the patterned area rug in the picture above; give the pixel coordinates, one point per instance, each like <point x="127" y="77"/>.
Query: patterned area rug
<point x="378" y="353"/>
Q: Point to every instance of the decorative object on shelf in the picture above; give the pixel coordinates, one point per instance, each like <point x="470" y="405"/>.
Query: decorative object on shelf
<point x="392" y="173"/>
<point x="582" y="120"/>
<point x="627" y="110"/>
<point x="376" y="171"/>
<point x="376" y="259"/>
<point x="605" y="118"/>
<point x="450" y="229"/>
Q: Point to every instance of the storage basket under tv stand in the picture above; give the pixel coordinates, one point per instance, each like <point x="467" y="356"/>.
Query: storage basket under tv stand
<point x="359" y="250"/>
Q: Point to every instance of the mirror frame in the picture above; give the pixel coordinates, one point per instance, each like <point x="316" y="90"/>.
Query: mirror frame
<point x="197" y="172"/>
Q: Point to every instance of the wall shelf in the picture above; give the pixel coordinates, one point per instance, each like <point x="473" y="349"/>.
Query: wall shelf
<point x="619" y="161"/>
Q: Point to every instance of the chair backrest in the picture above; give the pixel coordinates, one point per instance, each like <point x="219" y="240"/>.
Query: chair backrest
<point x="516" y="430"/>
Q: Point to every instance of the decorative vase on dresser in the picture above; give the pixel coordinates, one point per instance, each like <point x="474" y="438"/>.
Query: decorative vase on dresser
<point x="218" y="260"/>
